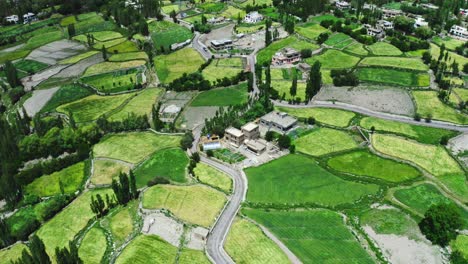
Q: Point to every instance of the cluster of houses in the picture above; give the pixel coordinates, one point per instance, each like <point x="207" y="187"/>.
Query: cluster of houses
<point x="27" y="18"/>
<point x="286" y="56"/>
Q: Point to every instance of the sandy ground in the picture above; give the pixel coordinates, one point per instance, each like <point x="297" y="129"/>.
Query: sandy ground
<point x="402" y="250"/>
<point x="32" y="81"/>
<point x="17" y="47"/>
<point x="56" y="51"/>
<point x="194" y="116"/>
<point x="458" y="144"/>
<point x="79" y="68"/>
<point x="218" y="34"/>
<point x="196" y="238"/>
<point x="163" y="226"/>
<point x="38" y="99"/>
<point x="382" y="99"/>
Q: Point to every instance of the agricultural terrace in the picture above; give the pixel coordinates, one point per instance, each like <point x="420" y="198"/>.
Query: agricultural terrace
<point x="100" y="36"/>
<point x="328" y="116"/>
<point x="233" y="12"/>
<point x="266" y="54"/>
<point x="165" y="33"/>
<point x="79" y="57"/>
<point x="108" y="44"/>
<point x="195" y="204"/>
<point x="117" y="81"/>
<point x="428" y="103"/>
<point x="458" y="95"/>
<point x="283" y="89"/>
<point x="123" y="47"/>
<point x="357" y="48"/>
<point x="70" y="178"/>
<point x="133" y="147"/>
<point x="30" y="66"/>
<point x="450" y="43"/>
<point x="323" y="141"/>
<point x="106" y="170"/>
<point x="145" y="247"/>
<point x="234" y="95"/>
<point x="92" y="22"/>
<point x="139" y="105"/>
<point x="213" y="177"/>
<point x="121" y="223"/>
<point x="13" y="253"/>
<point x="172" y="66"/>
<point x="427" y="135"/>
<point x="212" y="7"/>
<point x="106" y="66"/>
<point x="140" y="55"/>
<point x="435" y="51"/>
<point x="166" y="163"/>
<point x="92" y="107"/>
<point x="190" y="256"/>
<point x="93" y="246"/>
<point x="66" y="94"/>
<point x="395" y="62"/>
<point x="334" y="59"/>
<point x="314" y="236"/>
<point x="63" y="227"/>
<point x="384" y="49"/>
<point x="339" y="41"/>
<point x="223" y="68"/>
<point x="390" y="221"/>
<point x="246" y="243"/>
<point x="273" y="183"/>
<point x="363" y="163"/>
<point x="394" y="77"/>
<point x="310" y="30"/>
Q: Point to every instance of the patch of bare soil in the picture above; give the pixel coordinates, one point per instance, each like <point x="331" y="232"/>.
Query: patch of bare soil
<point x="56" y="51"/>
<point x="38" y="99"/>
<point x="163" y="226"/>
<point x="80" y="67"/>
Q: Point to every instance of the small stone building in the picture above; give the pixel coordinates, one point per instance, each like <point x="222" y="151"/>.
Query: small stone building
<point x="278" y="121"/>
<point x="234" y="136"/>
<point x="251" y="131"/>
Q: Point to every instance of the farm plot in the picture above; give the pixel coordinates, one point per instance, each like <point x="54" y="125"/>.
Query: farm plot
<point x="64" y="226"/>
<point x="108" y="44"/>
<point x="283" y="89"/>
<point x="13" y="253"/>
<point x="14" y="55"/>
<point x="71" y="178"/>
<point x="56" y="51"/>
<point x="384" y="49"/>
<point x="133" y="147"/>
<point x="196" y="204"/>
<point x="213" y="177"/>
<point x="190" y="256"/>
<point x="139" y="105"/>
<point x="363" y="163"/>
<point x="43" y="39"/>
<point x="79" y="57"/>
<point x="92" y="22"/>
<point x="285" y="74"/>
<point x="234" y="95"/>
<point x="274" y="182"/>
<point x="140" y="55"/>
<point x="105" y="67"/>
<point x="100" y="36"/>
<point x="246" y="243"/>
<point x="228" y="156"/>
<point x="450" y="43"/>
<point x="123" y="47"/>
<point x="265" y="55"/>
<point x="427" y="135"/>
<point x="428" y="103"/>
<point x="167" y="163"/>
<point x="394" y="77"/>
<point x="30" y="66"/>
<point x="390" y="221"/>
<point x="339" y="40"/>
<point x="357" y="48"/>
<point x="93" y="247"/>
<point x="64" y="95"/>
<point x="92" y="107"/>
<point x="113" y="82"/>
<point x="328" y="116"/>
<point x="121" y="224"/>
<point x="212" y="7"/>
<point x="315" y="236"/>
<point x="172" y="66"/>
<point x="215" y="73"/>
<point x="395" y="62"/>
<point x="233" y="12"/>
<point x="144" y="247"/>
<point x="310" y="30"/>
<point x="452" y="56"/>
<point x="334" y="59"/>
<point x="106" y="170"/>
<point x="324" y="141"/>
<point x="165" y="33"/>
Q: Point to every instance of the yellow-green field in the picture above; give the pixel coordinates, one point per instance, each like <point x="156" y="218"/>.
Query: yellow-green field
<point x="144" y="248"/>
<point x="106" y="66"/>
<point x="172" y="66"/>
<point x="428" y="103"/>
<point x="13" y="253"/>
<point x="139" y="105"/>
<point x="106" y="170"/>
<point x="328" y="116"/>
<point x="324" y="141"/>
<point x="213" y="177"/>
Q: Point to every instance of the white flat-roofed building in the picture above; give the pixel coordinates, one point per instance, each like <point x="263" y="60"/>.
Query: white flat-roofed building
<point x="385" y="24"/>
<point x="253" y="17"/>
<point x="251" y="131"/>
<point x="342" y="5"/>
<point x="221" y="44"/>
<point x="234" y="136"/>
<point x="29" y="17"/>
<point x="420" y="22"/>
<point x="459" y="32"/>
<point x="278" y="121"/>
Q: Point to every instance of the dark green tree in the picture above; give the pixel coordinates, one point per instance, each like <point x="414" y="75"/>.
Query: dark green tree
<point x="5" y="234"/>
<point x="68" y="255"/>
<point x="37" y="251"/>
<point x="314" y="83"/>
<point x="104" y="52"/>
<point x="440" y="223"/>
<point x="133" y="187"/>
<point x="121" y="189"/>
<point x="293" y="89"/>
<point x="284" y="141"/>
<point x="98" y="206"/>
<point x="71" y="31"/>
<point x="11" y="74"/>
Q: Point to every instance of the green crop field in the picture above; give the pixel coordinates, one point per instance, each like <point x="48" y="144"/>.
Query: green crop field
<point x="71" y="179"/>
<point x="390" y="222"/>
<point x="124" y="47"/>
<point x="43" y="39"/>
<point x="165" y="33"/>
<point x="144" y="248"/>
<point x="92" y="107"/>
<point x="315" y="236"/>
<point x="394" y="77"/>
<point x="106" y="66"/>
<point x="114" y="82"/>
<point x="222" y="97"/>
<point x="324" y="141"/>
<point x="213" y="177"/>
<point x="212" y="7"/>
<point x="190" y="256"/>
<point x="336" y="39"/>
<point x="320" y="18"/>
<point x="172" y="66"/>
<point x="100" y="36"/>
<point x="357" y="48"/>
<point x="167" y="9"/>
<point x="213" y="72"/>
<point x="229" y="62"/>
<point x="427" y="135"/>
<point x="93" y="246"/>
<point x="63" y="227"/>
<point x="14" y="55"/>
<point x="461" y="244"/>
<point x="196" y="204"/>
<point x="138" y="105"/>
<point x="121" y="223"/>
<point x="334" y="59"/>
<point x="395" y="62"/>
<point x="64" y="95"/>
<point x="265" y="55"/>
<point x="12" y="254"/>
<point x="106" y="170"/>
<point x="296" y="179"/>
<point x="328" y="116"/>
<point x="384" y="49"/>
<point x="450" y="43"/>
<point x="310" y="30"/>
<point x="79" y="57"/>
<point x="30" y="66"/>
<point x="283" y="88"/>
<point x="167" y="163"/>
<point x="140" y="55"/>
<point x="68" y="21"/>
<point x="435" y="51"/>
<point x="427" y="103"/>
<point x="246" y="243"/>
<point x="233" y="12"/>
<point x="363" y="163"/>
<point x="108" y="44"/>
<point x="133" y="147"/>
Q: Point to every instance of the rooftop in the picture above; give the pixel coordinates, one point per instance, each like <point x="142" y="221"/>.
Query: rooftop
<point x="171" y="109"/>
<point x="234" y="131"/>
<point x="280" y="118"/>
<point x="250" y="127"/>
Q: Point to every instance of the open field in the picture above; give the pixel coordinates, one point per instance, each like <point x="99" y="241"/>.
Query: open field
<point x="93" y="246"/>
<point x="328" y="116"/>
<point x="138" y="105"/>
<point x="339" y="40"/>
<point x="12" y="254"/>
<point x="42" y="39"/>
<point x="273" y="183"/>
<point x="395" y="62"/>
<point x="121" y="223"/>
<point x="246" y="243"/>
<point x="14" y="55"/>
<point x="165" y="33"/>
<point x="324" y="141"/>
<point x="124" y="47"/>
<point x="64" y="95"/>
<point x="213" y="177"/>
<point x="266" y="54"/>
<point x="172" y="66"/>
<point x="283" y="88"/>
<point x="140" y="55"/>
<point x="394" y="77"/>
<point x="334" y="59"/>
<point x="144" y="247"/>
<point x="212" y="7"/>
<point x="71" y="179"/>
<point x="357" y="48"/>
<point x="133" y="147"/>
<point x="435" y="51"/>
<point x="106" y="66"/>
<point x="310" y="30"/>
<point x="92" y="107"/>
<point x="66" y="224"/>
<point x="108" y="44"/>
<point x="461" y="244"/>
<point x="450" y="43"/>
<point x="427" y="135"/>
<point x="215" y="73"/>
<point x="190" y="256"/>
<point x="106" y="170"/>
<point x="427" y="103"/>
<point x="364" y="163"/>
<point x="113" y="82"/>
<point x="315" y="236"/>
<point x="234" y="95"/>
<point x="384" y="49"/>
<point x="233" y="12"/>
<point x="79" y="57"/>
<point x="167" y="163"/>
<point x="390" y="221"/>
<point x="196" y="204"/>
<point x="100" y="36"/>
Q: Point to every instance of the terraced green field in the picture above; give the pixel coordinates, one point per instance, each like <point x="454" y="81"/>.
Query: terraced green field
<point x="390" y="221"/>
<point x="190" y="256"/>
<point x="145" y="247"/>
<point x="121" y="224"/>
<point x="384" y="49"/>
<point x="357" y="48"/>
<point x="172" y="66"/>
<point x="334" y="59"/>
<point x="394" y="77"/>
<point x="79" y="57"/>
<point x="106" y="66"/>
<point x="328" y="116"/>
<point x="139" y="105"/>
<point x="297" y="179"/>
<point x="427" y="103"/>
<point x="66" y="94"/>
<point x="165" y="33"/>
<point x="30" y="66"/>
<point x="461" y="244"/>
<point x="215" y="73"/>
<point x="310" y="30"/>
<point x="106" y="170"/>
<point x="213" y="177"/>
<point x="234" y="95"/>
<point x="93" y="246"/>
<point x="339" y="40"/>
<point x="284" y="87"/>
<point x="323" y="141"/>
<point x="13" y="253"/>
<point x="140" y="55"/>
<point x="114" y="82"/>
<point x="395" y="62"/>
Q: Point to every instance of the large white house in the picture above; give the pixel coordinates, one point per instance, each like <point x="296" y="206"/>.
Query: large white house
<point x="342" y="5"/>
<point x="253" y="17"/>
<point x="459" y="32"/>
<point x="12" y="19"/>
<point x="420" y="22"/>
<point x="29" y="17"/>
